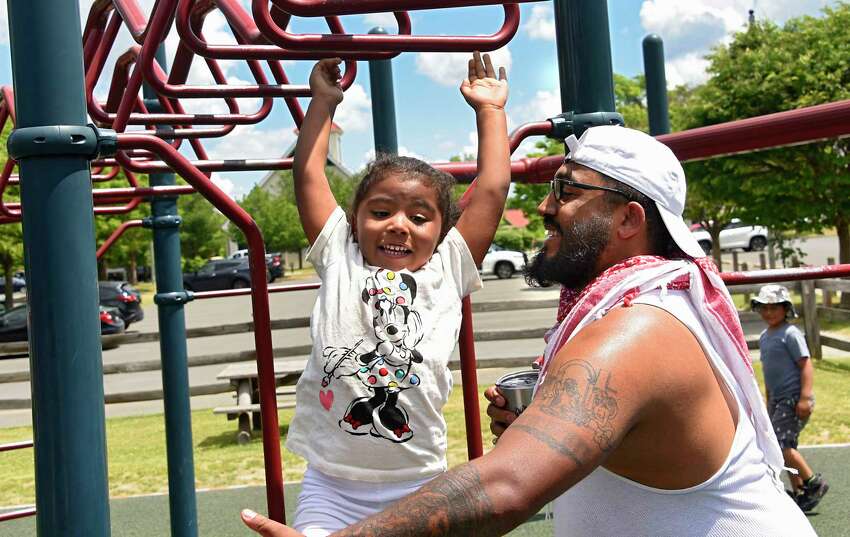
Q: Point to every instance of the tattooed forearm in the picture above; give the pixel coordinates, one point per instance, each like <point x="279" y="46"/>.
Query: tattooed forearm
<point x="452" y="504"/>
<point x="554" y="443"/>
<point x="576" y="392"/>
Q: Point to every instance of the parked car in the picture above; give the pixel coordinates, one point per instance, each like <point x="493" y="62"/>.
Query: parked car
<point x="17" y="283"/>
<point x="736" y="234"/>
<point x="501" y="262"/>
<point x="274" y="262"/>
<point x="123" y="297"/>
<point x="220" y="274"/>
<point x="13" y="323"/>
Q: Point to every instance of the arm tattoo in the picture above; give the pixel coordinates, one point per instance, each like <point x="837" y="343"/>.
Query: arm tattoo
<point x="578" y="393"/>
<point x="553" y="443"/>
<point x="454" y="503"/>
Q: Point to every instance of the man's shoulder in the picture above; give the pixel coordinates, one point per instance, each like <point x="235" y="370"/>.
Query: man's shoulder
<point x="640" y="338"/>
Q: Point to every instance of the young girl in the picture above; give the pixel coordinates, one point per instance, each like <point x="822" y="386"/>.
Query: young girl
<point x="368" y="407"/>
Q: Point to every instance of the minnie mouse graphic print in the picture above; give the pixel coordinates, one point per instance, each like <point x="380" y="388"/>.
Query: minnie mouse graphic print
<point x="385" y="369"/>
<point x="369" y="403"/>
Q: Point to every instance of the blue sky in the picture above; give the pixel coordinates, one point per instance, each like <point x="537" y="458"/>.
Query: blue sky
<point x="434" y="123"/>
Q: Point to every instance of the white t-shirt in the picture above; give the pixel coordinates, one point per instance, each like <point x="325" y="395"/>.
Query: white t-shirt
<point x="369" y="403"/>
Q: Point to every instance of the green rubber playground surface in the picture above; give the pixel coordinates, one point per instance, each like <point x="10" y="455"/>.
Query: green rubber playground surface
<point x="218" y="510"/>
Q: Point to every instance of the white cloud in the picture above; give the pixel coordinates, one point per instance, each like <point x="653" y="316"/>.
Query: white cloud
<point x="355" y="112"/>
<point x="687" y="69"/>
<point x="249" y="142"/>
<point x="4" y="23"/>
<point x="225" y="184"/>
<point x="543" y="105"/>
<point x="472" y="148"/>
<point x="691" y="29"/>
<point x="385" y="20"/>
<point x="541" y="23"/>
<point x="369" y="156"/>
<point x="448" y="69"/>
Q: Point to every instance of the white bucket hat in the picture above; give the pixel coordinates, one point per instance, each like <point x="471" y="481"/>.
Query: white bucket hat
<point x="645" y="164"/>
<point x="774" y="294"/>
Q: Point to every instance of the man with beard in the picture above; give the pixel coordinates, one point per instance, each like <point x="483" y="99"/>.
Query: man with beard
<point x="647" y="419"/>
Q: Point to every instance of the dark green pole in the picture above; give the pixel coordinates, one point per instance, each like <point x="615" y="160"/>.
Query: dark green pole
<point x="71" y="491"/>
<point x="584" y="56"/>
<point x="383" y="103"/>
<point x="656" y="85"/>
<point x="170" y="298"/>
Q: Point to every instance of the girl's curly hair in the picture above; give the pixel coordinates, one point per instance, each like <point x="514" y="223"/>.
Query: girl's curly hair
<point x="409" y="169"/>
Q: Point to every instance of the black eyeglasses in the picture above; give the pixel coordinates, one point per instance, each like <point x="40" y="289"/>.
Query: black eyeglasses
<point x="558" y="184"/>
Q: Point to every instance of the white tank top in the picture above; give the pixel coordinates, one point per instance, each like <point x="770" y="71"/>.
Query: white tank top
<point x="741" y="499"/>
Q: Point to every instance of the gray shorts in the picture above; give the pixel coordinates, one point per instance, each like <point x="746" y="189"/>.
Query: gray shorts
<point x="786" y="424"/>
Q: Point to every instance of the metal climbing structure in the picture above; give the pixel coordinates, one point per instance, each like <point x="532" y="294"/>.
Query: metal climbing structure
<point x="141" y="128"/>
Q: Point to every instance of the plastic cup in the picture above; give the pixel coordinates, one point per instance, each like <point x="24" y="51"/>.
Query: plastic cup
<point x="518" y="388"/>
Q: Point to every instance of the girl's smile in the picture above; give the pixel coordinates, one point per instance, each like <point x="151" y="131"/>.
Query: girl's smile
<point x="398" y="223"/>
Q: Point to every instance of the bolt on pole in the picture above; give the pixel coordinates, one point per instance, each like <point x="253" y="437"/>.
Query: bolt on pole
<point x="656" y="85"/>
<point x="584" y="56"/>
<point x="165" y="222"/>
<point x="50" y="144"/>
<point x="383" y="103"/>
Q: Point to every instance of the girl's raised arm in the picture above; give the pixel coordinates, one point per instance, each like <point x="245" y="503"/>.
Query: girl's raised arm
<point x="487" y="95"/>
<point x="312" y="192"/>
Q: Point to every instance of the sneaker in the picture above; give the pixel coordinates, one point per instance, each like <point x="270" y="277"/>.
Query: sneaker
<point x="812" y="493"/>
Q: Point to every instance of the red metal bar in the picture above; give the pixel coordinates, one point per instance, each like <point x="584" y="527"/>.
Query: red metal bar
<point x="382" y="42"/>
<point x="9" y="100"/>
<point x="254" y="45"/>
<point x="134" y="18"/>
<point x="16" y="445"/>
<point x="785" y="275"/>
<point x="527" y="130"/>
<point x="525" y="170"/>
<point x="320" y="8"/>
<point x="232" y="165"/>
<point x="12" y="515"/>
<point x="469" y="381"/>
<point x="156" y="77"/>
<point x="762" y="132"/>
<point x="116" y="234"/>
<point x="259" y="301"/>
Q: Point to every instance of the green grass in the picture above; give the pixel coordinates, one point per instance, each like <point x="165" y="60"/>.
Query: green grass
<point x="137" y="463"/>
<point x="137" y="460"/>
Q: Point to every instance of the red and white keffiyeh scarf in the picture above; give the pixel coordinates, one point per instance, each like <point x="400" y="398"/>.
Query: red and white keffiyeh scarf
<point x="622" y="283"/>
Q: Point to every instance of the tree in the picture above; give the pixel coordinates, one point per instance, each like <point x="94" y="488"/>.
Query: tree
<point x="629" y="99"/>
<point x="202" y="233"/>
<point x="133" y="248"/>
<point x="11" y="235"/>
<point x="275" y="211"/>
<point x="766" y="69"/>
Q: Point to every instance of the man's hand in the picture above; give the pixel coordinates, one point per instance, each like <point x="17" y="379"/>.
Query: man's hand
<point x="805" y="406"/>
<point x="481" y="88"/>
<point x="500" y="418"/>
<point x="265" y="526"/>
<point x="324" y="80"/>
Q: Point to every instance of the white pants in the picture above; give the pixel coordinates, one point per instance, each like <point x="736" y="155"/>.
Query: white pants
<point x="328" y="504"/>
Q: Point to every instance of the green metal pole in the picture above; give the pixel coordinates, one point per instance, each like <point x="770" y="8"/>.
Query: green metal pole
<point x="656" y="85"/>
<point x="383" y="103"/>
<point x="170" y="298"/>
<point x="584" y="56"/>
<point x="71" y="490"/>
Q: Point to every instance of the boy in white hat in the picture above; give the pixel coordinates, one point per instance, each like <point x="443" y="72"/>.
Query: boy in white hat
<point x="788" y="379"/>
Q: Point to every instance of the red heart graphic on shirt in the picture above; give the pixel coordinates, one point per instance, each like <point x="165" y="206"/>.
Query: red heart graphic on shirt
<point x="326" y="397"/>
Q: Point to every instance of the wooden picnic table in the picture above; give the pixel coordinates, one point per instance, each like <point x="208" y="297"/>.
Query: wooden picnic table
<point x="243" y="377"/>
